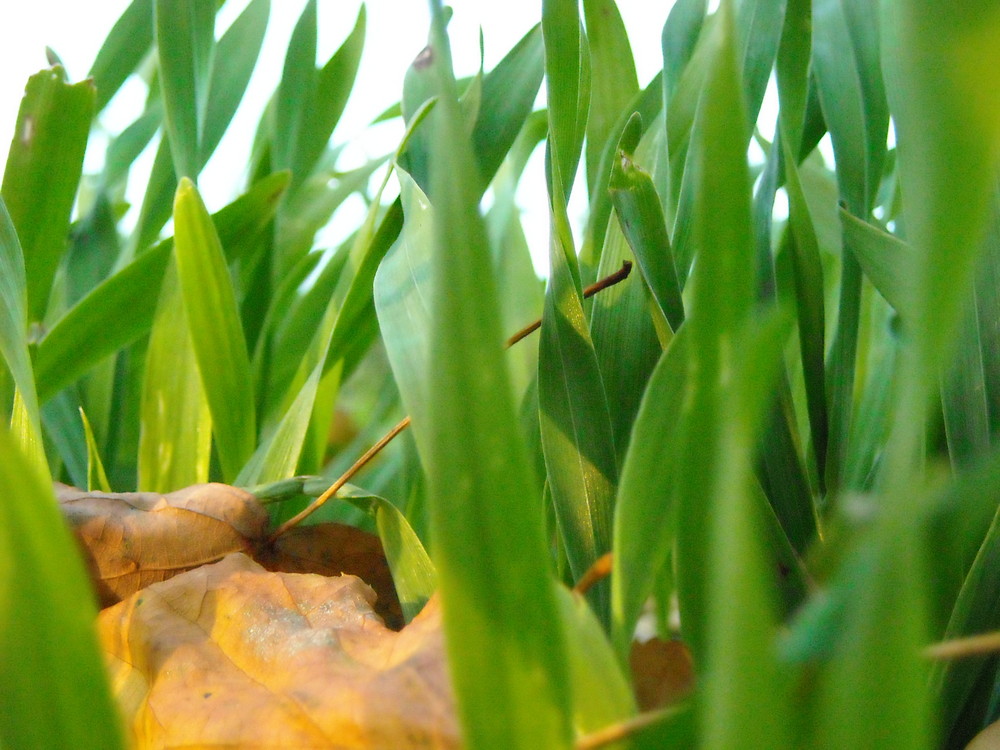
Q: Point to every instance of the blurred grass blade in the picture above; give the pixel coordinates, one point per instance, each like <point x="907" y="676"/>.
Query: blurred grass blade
<point x="758" y="28"/>
<point x="412" y="570"/>
<point x="55" y="688"/>
<point x="175" y="438"/>
<point x="614" y="83"/>
<point x="97" y="478"/>
<point x="14" y="343"/>
<point x="185" y="45"/>
<point x="95" y="328"/>
<point x="505" y="641"/>
<point x="887" y="261"/>
<point x="43" y="171"/>
<point x="680" y="34"/>
<point x="721" y="298"/>
<point x="126" y="45"/>
<point x="641" y="217"/>
<point x="129" y="144"/>
<point x="216" y="331"/>
<point x="295" y="92"/>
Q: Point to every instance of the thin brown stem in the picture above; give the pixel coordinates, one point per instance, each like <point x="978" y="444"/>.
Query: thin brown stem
<point x="959" y="648"/>
<point x="619" y="275"/>
<point x="598" y="571"/>
<point x="625" y="729"/>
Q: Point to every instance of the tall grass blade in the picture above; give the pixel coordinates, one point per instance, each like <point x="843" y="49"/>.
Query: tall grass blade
<point x="216" y="332"/>
<point x="505" y="642"/>
<point x="126" y="45"/>
<point x="56" y="691"/>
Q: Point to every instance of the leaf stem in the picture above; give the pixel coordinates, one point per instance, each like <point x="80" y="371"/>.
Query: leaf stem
<point x="618" y="276"/>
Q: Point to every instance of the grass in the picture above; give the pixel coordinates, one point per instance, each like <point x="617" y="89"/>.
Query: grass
<point x="780" y="425"/>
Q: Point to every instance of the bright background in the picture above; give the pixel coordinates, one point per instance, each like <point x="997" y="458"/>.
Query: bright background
<point x="396" y="32"/>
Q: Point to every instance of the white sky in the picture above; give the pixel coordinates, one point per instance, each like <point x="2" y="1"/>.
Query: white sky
<point x="396" y="32"/>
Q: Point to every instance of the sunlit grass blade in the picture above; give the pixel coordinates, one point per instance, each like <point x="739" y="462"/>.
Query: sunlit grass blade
<point x="43" y="171"/>
<point x="14" y="343"/>
<point x="185" y="45"/>
<point x="175" y="438"/>
<point x="216" y="331"/>
<point x="97" y="478"/>
<point x="504" y="638"/>
<point x="55" y="688"/>
<point x="614" y="83"/>
<point x="126" y="44"/>
<point x="95" y="328"/>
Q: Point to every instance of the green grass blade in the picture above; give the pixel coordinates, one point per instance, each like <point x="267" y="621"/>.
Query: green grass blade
<point x="295" y="93"/>
<point x="758" y="27"/>
<point x="127" y="43"/>
<point x="333" y="82"/>
<point x="505" y="642"/>
<point x="412" y="570"/>
<point x="640" y="214"/>
<point x="721" y="298"/>
<point x="97" y="478"/>
<point x="565" y="91"/>
<point x="14" y="342"/>
<point x="233" y="64"/>
<point x="95" y="328"/>
<point x="43" y="171"/>
<point x="216" y="332"/>
<point x="185" y="44"/>
<point x="645" y="507"/>
<point x="127" y="145"/>
<point x="680" y="34"/>
<point x="55" y="688"/>
<point x="175" y="441"/>
<point x="887" y="261"/>
<point x="64" y="432"/>
<point x="614" y="83"/>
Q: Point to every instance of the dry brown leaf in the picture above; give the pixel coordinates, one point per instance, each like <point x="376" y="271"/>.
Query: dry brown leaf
<point x="662" y="672"/>
<point x="332" y="549"/>
<point x="231" y="655"/>
<point x="133" y="539"/>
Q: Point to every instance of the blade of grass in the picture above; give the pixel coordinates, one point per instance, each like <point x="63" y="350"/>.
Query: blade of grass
<point x="43" y="171"/>
<point x="505" y="642"/>
<point x="680" y="34"/>
<point x="216" y="332"/>
<point x="126" y="45"/>
<point x="567" y="97"/>
<point x="97" y="478"/>
<point x="55" y="687"/>
<point x="185" y="46"/>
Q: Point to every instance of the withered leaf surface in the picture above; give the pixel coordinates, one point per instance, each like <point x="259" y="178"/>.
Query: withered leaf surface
<point x="662" y="672"/>
<point x="332" y="549"/>
<point x="133" y="539"/>
<point x="230" y="655"/>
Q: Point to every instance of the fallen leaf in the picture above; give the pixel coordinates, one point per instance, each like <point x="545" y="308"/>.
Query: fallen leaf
<point x="662" y="672"/>
<point x="332" y="549"/>
<point x="133" y="539"/>
<point x="232" y="655"/>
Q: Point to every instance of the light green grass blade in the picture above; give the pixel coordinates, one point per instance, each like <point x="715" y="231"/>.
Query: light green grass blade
<point x="412" y="570"/>
<point x="296" y="91"/>
<point x="614" y="83"/>
<point x="216" y="331"/>
<point x="126" y="45"/>
<point x="505" y="641"/>
<point x="566" y="93"/>
<point x="129" y="143"/>
<point x="185" y="45"/>
<point x="95" y="328"/>
<point x="758" y="29"/>
<point x="55" y="688"/>
<point x="14" y="343"/>
<point x="680" y="34"/>
<point x="175" y="437"/>
<point x="42" y="174"/>
<point x="97" y="478"/>
<point x="887" y="261"/>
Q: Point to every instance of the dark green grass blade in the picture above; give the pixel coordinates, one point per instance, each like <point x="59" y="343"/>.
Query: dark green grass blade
<point x="95" y="328"/>
<point x="127" y="43"/>
<point x="641" y="217"/>
<point x="503" y="634"/>
<point x="185" y="45"/>
<point x="42" y="174"/>
<point x="565" y="91"/>
<point x="216" y="332"/>
<point x="296" y="90"/>
<point x="55" y="688"/>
